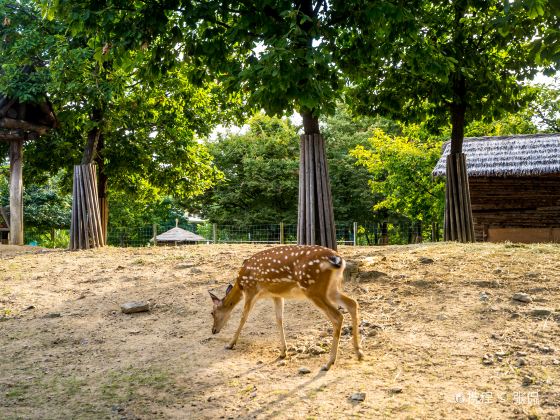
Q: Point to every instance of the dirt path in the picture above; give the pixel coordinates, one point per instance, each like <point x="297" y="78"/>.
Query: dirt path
<point x="431" y="313"/>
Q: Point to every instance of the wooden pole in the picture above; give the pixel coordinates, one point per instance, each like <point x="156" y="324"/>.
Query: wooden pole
<point x="16" y="192"/>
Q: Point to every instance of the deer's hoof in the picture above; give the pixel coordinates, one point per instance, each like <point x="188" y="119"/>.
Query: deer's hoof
<point x="229" y="346"/>
<point x="326" y="367"/>
<point x="360" y="355"/>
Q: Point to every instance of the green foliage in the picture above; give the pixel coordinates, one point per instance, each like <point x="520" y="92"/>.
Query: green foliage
<point x="418" y="63"/>
<point x="401" y="166"/>
<point x="260" y="170"/>
<point x="277" y="54"/>
<point x="546" y="106"/>
<point x="353" y="200"/>
<point x="149" y="125"/>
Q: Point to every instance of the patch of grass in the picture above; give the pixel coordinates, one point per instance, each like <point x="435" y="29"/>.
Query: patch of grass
<point x="132" y="383"/>
<point x="17" y="391"/>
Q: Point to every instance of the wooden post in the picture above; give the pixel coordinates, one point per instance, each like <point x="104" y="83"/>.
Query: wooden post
<point x="214" y="233"/>
<point x="459" y="224"/>
<point x="154" y="228"/>
<point x="354" y="233"/>
<point x="16" y="192"/>
<point x="86" y="229"/>
<point x="315" y="212"/>
<point x="281" y="232"/>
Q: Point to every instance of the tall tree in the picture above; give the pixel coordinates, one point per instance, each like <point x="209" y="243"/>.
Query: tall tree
<point x="278" y="54"/>
<point x="446" y="62"/>
<point x="140" y="132"/>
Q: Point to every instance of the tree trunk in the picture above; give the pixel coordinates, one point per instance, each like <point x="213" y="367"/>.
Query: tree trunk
<point x="458" y="213"/>
<point x="86" y="230"/>
<point x="315" y="210"/>
<point x="16" y="192"/>
<point x="102" y="188"/>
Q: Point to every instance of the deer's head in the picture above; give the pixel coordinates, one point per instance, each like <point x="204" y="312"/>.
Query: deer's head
<point x="220" y="311"/>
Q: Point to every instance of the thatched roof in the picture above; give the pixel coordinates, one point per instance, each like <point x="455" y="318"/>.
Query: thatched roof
<point x="179" y="235"/>
<point x="519" y="155"/>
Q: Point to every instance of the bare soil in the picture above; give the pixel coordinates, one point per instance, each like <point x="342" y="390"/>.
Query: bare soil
<point x="431" y="313"/>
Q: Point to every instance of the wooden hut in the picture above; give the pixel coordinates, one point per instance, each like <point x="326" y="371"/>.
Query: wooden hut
<point x="20" y="122"/>
<point x="515" y="186"/>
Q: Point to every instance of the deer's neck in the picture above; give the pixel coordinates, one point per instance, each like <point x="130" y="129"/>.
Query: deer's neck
<point x="233" y="297"/>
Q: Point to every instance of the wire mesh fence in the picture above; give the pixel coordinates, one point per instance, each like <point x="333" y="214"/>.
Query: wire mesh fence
<point x="347" y="233"/>
<point x="350" y="233"/>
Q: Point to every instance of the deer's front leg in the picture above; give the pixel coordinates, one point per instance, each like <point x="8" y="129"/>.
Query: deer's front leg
<point x="249" y="301"/>
<point x="279" y="307"/>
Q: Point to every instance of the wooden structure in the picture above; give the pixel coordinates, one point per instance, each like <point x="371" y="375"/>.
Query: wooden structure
<point x="20" y="122"/>
<point x="4" y="224"/>
<point x="85" y="227"/>
<point x="514" y="186"/>
<point x="315" y="210"/>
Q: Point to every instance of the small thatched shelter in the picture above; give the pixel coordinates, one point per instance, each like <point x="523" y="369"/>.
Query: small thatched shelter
<point x="515" y="186"/>
<point x="178" y="236"/>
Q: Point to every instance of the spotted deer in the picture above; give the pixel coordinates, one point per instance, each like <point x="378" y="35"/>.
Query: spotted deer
<point x="296" y="271"/>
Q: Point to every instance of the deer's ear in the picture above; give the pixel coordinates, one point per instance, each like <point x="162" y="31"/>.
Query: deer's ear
<point x="215" y="298"/>
<point x="229" y="288"/>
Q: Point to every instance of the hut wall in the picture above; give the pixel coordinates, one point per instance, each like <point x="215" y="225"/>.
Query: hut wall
<point x="521" y="209"/>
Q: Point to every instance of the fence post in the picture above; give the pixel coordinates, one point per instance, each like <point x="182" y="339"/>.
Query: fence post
<point x="281" y="232"/>
<point x="355" y="233"/>
<point x="214" y="233"/>
<point x="154" y="228"/>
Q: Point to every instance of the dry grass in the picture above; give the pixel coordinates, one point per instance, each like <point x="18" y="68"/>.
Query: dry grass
<point x="430" y="324"/>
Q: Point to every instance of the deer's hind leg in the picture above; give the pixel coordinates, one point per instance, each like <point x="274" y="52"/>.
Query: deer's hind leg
<point x="279" y="309"/>
<point x="336" y="318"/>
<point x="353" y="308"/>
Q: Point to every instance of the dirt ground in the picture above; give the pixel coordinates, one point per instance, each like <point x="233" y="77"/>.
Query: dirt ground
<point x="430" y="315"/>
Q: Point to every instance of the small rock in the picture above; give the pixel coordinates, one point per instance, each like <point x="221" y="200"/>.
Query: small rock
<point x="29" y="308"/>
<point x="532" y="275"/>
<point x="351" y="271"/>
<point x="515" y="315"/>
<point x="316" y="350"/>
<point x="183" y="266"/>
<point x="53" y="315"/>
<point x="346" y="330"/>
<point x="358" y="396"/>
<point x="395" y="390"/>
<point x="442" y="317"/>
<point x="521" y="353"/>
<point x="133" y="307"/>
<point x="538" y="312"/>
<point x="500" y="353"/>
<point x="527" y="380"/>
<point x="259" y="362"/>
<point x="498" y="271"/>
<point x="487" y="359"/>
<point x="282" y="363"/>
<point x="522" y="297"/>
<point x="556" y="362"/>
<point x="304" y="370"/>
<point x="546" y="349"/>
<point x="520" y="362"/>
<point x="484" y="297"/>
<point x="196" y="270"/>
<point x="425" y="260"/>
